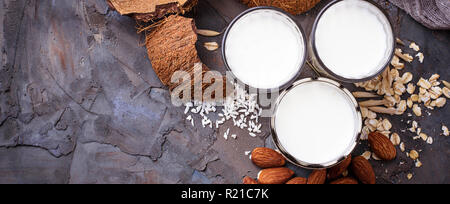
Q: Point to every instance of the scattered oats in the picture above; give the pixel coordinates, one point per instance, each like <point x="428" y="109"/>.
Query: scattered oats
<point x="434" y="78"/>
<point x="375" y="157"/>
<point x="411" y="88"/>
<point x="400" y="42"/>
<point x="445" y="130"/>
<point x="417" y="110"/>
<point x="211" y="46"/>
<point x="435" y="92"/>
<point x="418" y="163"/>
<point x="415" y="98"/>
<point x="420" y="56"/>
<point x="409" y="176"/>
<point x="413" y="154"/>
<point x="207" y="33"/>
<point x="446" y="92"/>
<point x="386" y="124"/>
<point x="252" y="134"/>
<point x="401" y="108"/>
<point x="414" y="46"/>
<point x="409" y="103"/>
<point x="407" y="77"/>
<point x="365" y="133"/>
<point x="345" y="173"/>
<point x="423" y="136"/>
<point x="396" y="63"/>
<point x="364" y="95"/>
<point x="446" y="84"/>
<point x="234" y="136"/>
<point x="395" y="139"/>
<point x="247" y="153"/>
<point x="424" y="83"/>
<point x="367" y="155"/>
<point x="402" y="147"/>
<point x="399" y="88"/>
<point x="419" y="130"/>
<point x="440" y="102"/>
<point x="405" y="57"/>
<point x="430" y="140"/>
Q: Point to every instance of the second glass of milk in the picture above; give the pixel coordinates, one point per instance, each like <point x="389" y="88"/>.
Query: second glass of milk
<point x="351" y="41"/>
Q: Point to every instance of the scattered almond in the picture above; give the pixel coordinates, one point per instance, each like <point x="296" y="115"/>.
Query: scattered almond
<point x="248" y="180"/>
<point x="267" y="158"/>
<point x="297" y="180"/>
<point x="275" y="175"/>
<point x="363" y="170"/>
<point x="382" y="146"/>
<point x="317" y="177"/>
<point x="337" y="170"/>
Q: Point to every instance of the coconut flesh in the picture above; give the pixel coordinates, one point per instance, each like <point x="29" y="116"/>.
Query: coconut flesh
<point x="294" y="7"/>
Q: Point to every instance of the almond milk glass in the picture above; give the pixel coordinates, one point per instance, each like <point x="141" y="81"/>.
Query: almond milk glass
<point x="316" y="123"/>
<point x="264" y="48"/>
<point x="352" y="41"/>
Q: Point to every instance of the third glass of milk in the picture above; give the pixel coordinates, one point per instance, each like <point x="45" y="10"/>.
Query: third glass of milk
<point x="351" y="41"/>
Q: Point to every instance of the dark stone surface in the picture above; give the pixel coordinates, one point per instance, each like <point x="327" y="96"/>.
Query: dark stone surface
<point x="79" y="102"/>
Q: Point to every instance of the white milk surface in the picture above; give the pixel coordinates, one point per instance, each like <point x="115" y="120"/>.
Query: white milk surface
<point x="264" y="49"/>
<point x="354" y="39"/>
<point x="316" y="122"/>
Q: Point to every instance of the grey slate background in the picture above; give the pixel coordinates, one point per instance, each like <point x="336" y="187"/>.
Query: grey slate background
<point x="79" y="102"/>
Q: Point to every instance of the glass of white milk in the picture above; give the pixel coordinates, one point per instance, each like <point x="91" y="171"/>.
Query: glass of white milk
<point x="351" y="41"/>
<point x="264" y="48"/>
<point x="316" y="123"/>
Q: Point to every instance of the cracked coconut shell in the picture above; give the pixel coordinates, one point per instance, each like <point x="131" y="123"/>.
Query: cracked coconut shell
<point x="171" y="48"/>
<point x="150" y="10"/>
<point x="294" y="7"/>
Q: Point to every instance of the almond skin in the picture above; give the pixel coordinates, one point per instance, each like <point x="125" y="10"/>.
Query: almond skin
<point x="363" y="170"/>
<point x="317" y="177"/>
<point x="248" y="180"/>
<point x="382" y="146"/>
<point x="297" y="180"/>
<point x="267" y="158"/>
<point x="345" y="181"/>
<point x="275" y="175"/>
<point x="336" y="171"/>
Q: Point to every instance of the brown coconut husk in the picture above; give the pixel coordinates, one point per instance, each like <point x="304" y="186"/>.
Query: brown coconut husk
<point x="294" y="7"/>
<point x="151" y="10"/>
<point x="171" y="48"/>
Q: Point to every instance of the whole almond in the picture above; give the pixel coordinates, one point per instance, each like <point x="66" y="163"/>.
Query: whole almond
<point x="248" y="180"/>
<point x="267" y="158"/>
<point x="382" y="146"/>
<point x="275" y="175"/>
<point x="336" y="171"/>
<point x="317" y="177"/>
<point x="363" y="170"/>
<point x="346" y="180"/>
<point x="297" y="180"/>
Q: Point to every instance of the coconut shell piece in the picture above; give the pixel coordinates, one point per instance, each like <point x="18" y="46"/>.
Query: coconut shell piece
<point x="294" y="7"/>
<point x="171" y="48"/>
<point x="150" y="10"/>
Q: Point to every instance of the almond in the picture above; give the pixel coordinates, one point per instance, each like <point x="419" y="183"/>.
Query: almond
<point x="267" y="158"/>
<point x="248" y="180"/>
<point x="336" y="171"/>
<point x="363" y="170"/>
<point x="382" y="146"/>
<point x="346" y="181"/>
<point x="317" y="177"/>
<point x="297" y="180"/>
<point x="275" y="175"/>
